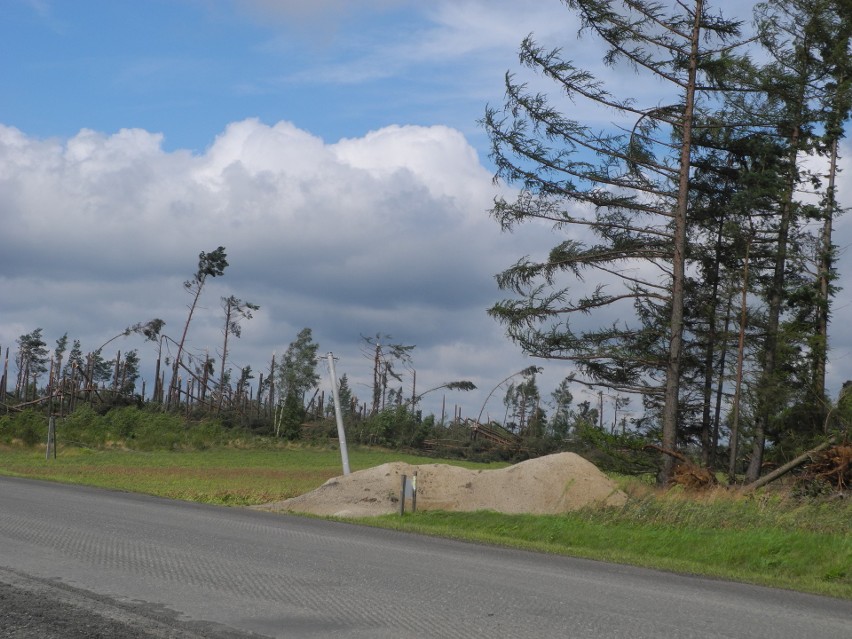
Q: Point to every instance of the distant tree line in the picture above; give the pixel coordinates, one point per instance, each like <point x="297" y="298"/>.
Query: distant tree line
<point x="285" y="401"/>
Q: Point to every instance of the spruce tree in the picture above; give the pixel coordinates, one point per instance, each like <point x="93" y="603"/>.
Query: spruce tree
<point x="794" y="83"/>
<point x="297" y="373"/>
<point x="836" y="56"/>
<point x="619" y="197"/>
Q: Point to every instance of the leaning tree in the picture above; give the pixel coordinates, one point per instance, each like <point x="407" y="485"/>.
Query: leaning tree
<point x="212" y="264"/>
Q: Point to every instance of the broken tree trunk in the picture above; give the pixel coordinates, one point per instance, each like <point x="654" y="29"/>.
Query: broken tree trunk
<point x="786" y="468"/>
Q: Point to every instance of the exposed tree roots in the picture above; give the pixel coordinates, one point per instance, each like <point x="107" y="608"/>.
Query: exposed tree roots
<point x="833" y="465"/>
<point x="687" y="473"/>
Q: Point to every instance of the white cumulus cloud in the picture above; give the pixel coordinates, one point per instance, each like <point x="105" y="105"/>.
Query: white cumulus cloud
<point x="384" y="233"/>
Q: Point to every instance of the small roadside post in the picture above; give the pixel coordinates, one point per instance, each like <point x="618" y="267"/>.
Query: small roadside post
<point x="51" y="437"/>
<point x="414" y="493"/>
<point x="408" y="489"/>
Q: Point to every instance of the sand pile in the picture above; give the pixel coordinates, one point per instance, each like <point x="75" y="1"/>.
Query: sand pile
<point x="546" y="485"/>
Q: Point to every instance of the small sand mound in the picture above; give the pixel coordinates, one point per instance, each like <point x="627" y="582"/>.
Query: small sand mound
<point x="546" y="485"/>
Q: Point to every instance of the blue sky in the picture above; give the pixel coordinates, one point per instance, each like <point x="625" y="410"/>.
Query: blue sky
<point x="187" y="68"/>
<point x="332" y="147"/>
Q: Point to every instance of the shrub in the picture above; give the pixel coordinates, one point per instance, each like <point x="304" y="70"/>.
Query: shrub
<point x="392" y="427"/>
<point x="28" y="427"/>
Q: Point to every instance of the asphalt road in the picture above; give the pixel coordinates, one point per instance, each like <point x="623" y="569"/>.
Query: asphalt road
<point x="83" y="562"/>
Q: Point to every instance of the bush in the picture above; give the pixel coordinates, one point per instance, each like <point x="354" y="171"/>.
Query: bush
<point x="291" y="418"/>
<point x="29" y="427"/>
<point x="82" y="427"/>
<point x="395" y="427"/>
<point x="135" y="428"/>
<point x="621" y="453"/>
<point x="204" y="434"/>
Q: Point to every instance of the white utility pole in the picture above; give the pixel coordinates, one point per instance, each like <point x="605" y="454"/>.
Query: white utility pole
<point x="338" y="414"/>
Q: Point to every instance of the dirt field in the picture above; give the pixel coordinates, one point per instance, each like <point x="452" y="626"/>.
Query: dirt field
<point x="546" y="485"/>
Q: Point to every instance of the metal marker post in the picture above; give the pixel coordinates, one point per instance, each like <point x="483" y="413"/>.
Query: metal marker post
<point x="414" y="493"/>
<point x="338" y="414"/>
<point x="402" y="494"/>
<point x="51" y="437"/>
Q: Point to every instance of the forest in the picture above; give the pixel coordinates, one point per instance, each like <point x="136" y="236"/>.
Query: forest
<point x="693" y="271"/>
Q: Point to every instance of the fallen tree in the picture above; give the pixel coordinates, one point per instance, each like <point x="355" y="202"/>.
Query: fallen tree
<point x="790" y="465"/>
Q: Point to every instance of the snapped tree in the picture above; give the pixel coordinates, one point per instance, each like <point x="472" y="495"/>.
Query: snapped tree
<point x="211" y="264"/>
<point x="386" y="356"/>
<point x="236" y="310"/>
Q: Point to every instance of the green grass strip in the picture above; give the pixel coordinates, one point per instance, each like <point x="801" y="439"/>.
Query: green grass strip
<point x="226" y="476"/>
<point x="801" y="560"/>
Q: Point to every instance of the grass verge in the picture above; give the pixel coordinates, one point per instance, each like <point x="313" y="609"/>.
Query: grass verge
<point x="226" y="476"/>
<point x="767" y="539"/>
<point x="808" y="561"/>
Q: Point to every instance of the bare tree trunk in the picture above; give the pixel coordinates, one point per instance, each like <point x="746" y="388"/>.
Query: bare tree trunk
<point x="672" y="388"/>
<point x="825" y="266"/>
<point x="156" y="394"/>
<point x="717" y="416"/>
<point x="709" y="353"/>
<point x="72" y="386"/>
<point x="26" y="381"/>
<point x="174" y="386"/>
<point x="205" y="378"/>
<point x="5" y="379"/>
<point x="735" y="419"/>
<point x="123" y="380"/>
<point x="271" y="400"/>
<point x="62" y="389"/>
<point x="188" y="403"/>
<point x="115" y="371"/>
<point x="20" y="362"/>
<point x="50" y="386"/>
<point x="776" y="297"/>
<point x="228" y="311"/>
